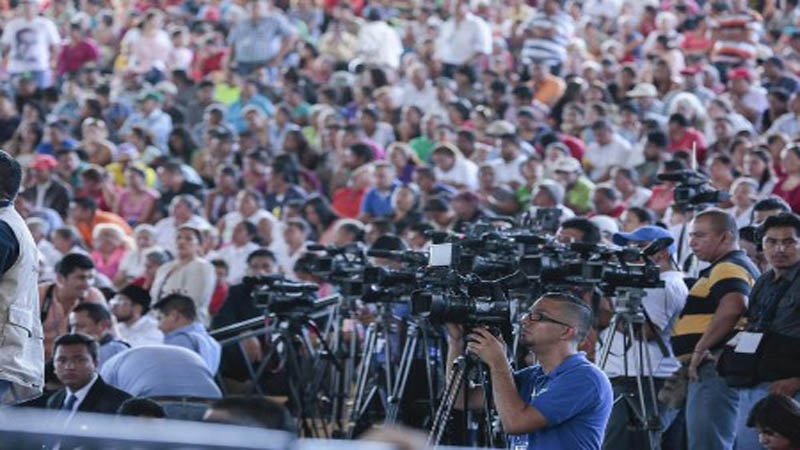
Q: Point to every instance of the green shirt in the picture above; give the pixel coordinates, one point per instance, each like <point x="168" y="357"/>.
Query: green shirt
<point x="423" y="146"/>
<point x="579" y="196"/>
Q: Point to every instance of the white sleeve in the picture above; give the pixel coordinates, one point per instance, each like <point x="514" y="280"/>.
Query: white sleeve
<point x="8" y="34"/>
<point x="52" y="33"/>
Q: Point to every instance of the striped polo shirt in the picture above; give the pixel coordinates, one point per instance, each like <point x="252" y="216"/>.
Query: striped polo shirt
<point x="554" y="49"/>
<point x="734" y="272"/>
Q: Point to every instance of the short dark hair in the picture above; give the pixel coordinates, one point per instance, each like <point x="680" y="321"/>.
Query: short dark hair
<point x="679" y="119"/>
<point x="721" y="221"/>
<point x="784" y="219"/>
<point x="383" y="224"/>
<point x="72" y="262"/>
<point x="141" y="407"/>
<point x="298" y="223"/>
<point x="772" y="203"/>
<point x="10" y="176"/>
<point x="643" y="214"/>
<point x="256" y="412"/>
<point x="85" y="203"/>
<point x="609" y="192"/>
<point x="591" y="233"/>
<point x="657" y="138"/>
<point x="77" y="339"/>
<point x="362" y="152"/>
<point x="778" y="413"/>
<point x="177" y="302"/>
<point x="95" y="311"/>
<point x="356" y="230"/>
<point x="262" y="252"/>
<point x="220" y="263"/>
<point x="579" y="311"/>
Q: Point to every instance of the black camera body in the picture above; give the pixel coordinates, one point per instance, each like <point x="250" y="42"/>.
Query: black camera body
<point x="282" y="297"/>
<point x="692" y="189"/>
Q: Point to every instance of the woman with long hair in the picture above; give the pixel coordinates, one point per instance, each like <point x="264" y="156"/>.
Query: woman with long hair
<point x="317" y="211"/>
<point x="404" y="159"/>
<point x="788" y="186"/>
<point x="181" y="144"/>
<point x="137" y="201"/>
<point x="758" y="166"/>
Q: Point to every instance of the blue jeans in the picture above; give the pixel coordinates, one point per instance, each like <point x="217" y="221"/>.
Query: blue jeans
<point x="711" y="408"/>
<point x="4" y="386"/>
<point x="747" y="438"/>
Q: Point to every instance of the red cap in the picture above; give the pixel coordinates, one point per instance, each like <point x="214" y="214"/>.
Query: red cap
<point x="691" y="70"/>
<point x="740" y="73"/>
<point x="43" y="162"/>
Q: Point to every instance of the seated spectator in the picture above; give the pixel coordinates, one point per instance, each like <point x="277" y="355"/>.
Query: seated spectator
<point x="136" y="327"/>
<point x="549" y="194"/>
<point x="132" y="264"/>
<point x="84" y="390"/>
<point x="296" y="236"/>
<point x="743" y="196"/>
<point x="377" y="201"/>
<point x="788" y="185"/>
<point x="578" y="196"/>
<point x="283" y="189"/>
<point x="184" y="210"/>
<point x="758" y="165"/>
<point x="235" y="253"/>
<point x="430" y="186"/>
<point x="439" y="214"/>
<point x="110" y="247"/>
<point x="319" y="214"/>
<point x="161" y="370"/>
<point x="153" y="259"/>
<point x="58" y="139"/>
<point x="136" y="202"/>
<point x="346" y="201"/>
<point x="189" y="274"/>
<point x="626" y="181"/>
<point x="47" y="191"/>
<point x="607" y="202"/>
<point x="406" y="207"/>
<point x="451" y="167"/>
<point x="87" y="216"/>
<point x="636" y="217"/>
<point x="94" y="320"/>
<point x="178" y="320"/>
<point x="73" y="286"/>
<point x="255" y="412"/>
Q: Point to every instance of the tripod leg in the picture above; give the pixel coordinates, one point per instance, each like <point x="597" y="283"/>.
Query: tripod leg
<point x="654" y="416"/>
<point x="363" y="375"/>
<point x="612" y="326"/>
<point x="445" y="409"/>
<point x="402" y="375"/>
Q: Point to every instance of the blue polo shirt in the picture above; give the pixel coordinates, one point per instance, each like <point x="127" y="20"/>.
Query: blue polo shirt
<point x="377" y="203"/>
<point x="576" y="400"/>
<point x="195" y="338"/>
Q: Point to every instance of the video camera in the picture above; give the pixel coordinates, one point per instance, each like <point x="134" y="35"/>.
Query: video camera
<point x="285" y="298"/>
<point x="692" y="189"/>
<point x="342" y="266"/>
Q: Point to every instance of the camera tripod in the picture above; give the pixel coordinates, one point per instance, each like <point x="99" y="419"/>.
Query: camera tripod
<point x="630" y="318"/>
<point x="372" y="381"/>
<point x="465" y="368"/>
<point x="416" y="337"/>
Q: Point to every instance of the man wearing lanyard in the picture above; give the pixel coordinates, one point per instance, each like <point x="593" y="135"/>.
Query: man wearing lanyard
<point x="21" y="346"/>
<point x="564" y="401"/>
<point x="773" y="323"/>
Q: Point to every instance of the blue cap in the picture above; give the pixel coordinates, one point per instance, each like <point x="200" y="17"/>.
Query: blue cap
<point x="646" y="233"/>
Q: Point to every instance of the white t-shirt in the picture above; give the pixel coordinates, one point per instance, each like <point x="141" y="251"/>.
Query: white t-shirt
<point x="144" y="332"/>
<point x="459" y="42"/>
<point x="506" y="172"/>
<point x="663" y="306"/>
<point x="603" y="157"/>
<point x="463" y="172"/>
<point x="30" y="43"/>
<point x="236" y="258"/>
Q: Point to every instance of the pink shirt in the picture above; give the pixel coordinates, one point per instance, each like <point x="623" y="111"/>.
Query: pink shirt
<point x="109" y="266"/>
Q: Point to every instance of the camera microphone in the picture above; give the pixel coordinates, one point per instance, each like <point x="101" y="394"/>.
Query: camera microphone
<point x="657" y="245"/>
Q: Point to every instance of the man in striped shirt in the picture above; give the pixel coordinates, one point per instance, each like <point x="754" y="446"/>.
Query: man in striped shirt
<point x="546" y="36"/>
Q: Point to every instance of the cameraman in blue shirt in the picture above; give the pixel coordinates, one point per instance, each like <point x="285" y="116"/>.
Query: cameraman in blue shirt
<point x="564" y="401"/>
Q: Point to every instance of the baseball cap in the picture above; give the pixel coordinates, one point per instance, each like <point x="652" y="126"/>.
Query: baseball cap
<point x="643" y="90"/>
<point x="567" y="164"/>
<point x="500" y="128"/>
<point x="43" y="162"/>
<point x="150" y="95"/>
<point x="740" y="73"/>
<point x="646" y="233"/>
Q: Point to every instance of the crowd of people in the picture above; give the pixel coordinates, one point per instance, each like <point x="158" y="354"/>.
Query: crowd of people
<point x="170" y="149"/>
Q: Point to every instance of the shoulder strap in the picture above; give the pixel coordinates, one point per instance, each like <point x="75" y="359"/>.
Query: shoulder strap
<point x="48" y="302"/>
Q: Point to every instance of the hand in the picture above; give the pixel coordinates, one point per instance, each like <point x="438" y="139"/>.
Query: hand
<point x="697" y="359"/>
<point x="787" y="386"/>
<point x="490" y="349"/>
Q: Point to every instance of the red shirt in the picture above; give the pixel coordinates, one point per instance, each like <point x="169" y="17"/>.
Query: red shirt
<point x="347" y="201"/>
<point x="218" y="298"/>
<point x="576" y="146"/>
<point x="690" y="137"/>
<point x="792" y="197"/>
<point x="73" y="57"/>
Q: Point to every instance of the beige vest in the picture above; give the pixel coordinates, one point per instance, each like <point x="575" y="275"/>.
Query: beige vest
<point x="21" y="337"/>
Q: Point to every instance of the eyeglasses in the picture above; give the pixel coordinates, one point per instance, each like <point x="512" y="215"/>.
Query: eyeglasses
<point x="537" y="316"/>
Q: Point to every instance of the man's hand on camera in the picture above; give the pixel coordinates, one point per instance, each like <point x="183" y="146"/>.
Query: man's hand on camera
<point x="490" y="349"/>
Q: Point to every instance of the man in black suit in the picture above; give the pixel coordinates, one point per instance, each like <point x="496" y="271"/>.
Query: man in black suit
<point x="75" y="359"/>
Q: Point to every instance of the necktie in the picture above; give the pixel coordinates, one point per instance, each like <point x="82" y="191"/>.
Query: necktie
<point x="71" y="400"/>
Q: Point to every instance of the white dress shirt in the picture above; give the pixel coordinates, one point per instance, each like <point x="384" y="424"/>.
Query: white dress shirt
<point x="459" y="42"/>
<point x="236" y="258"/>
<point x="143" y="332"/>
